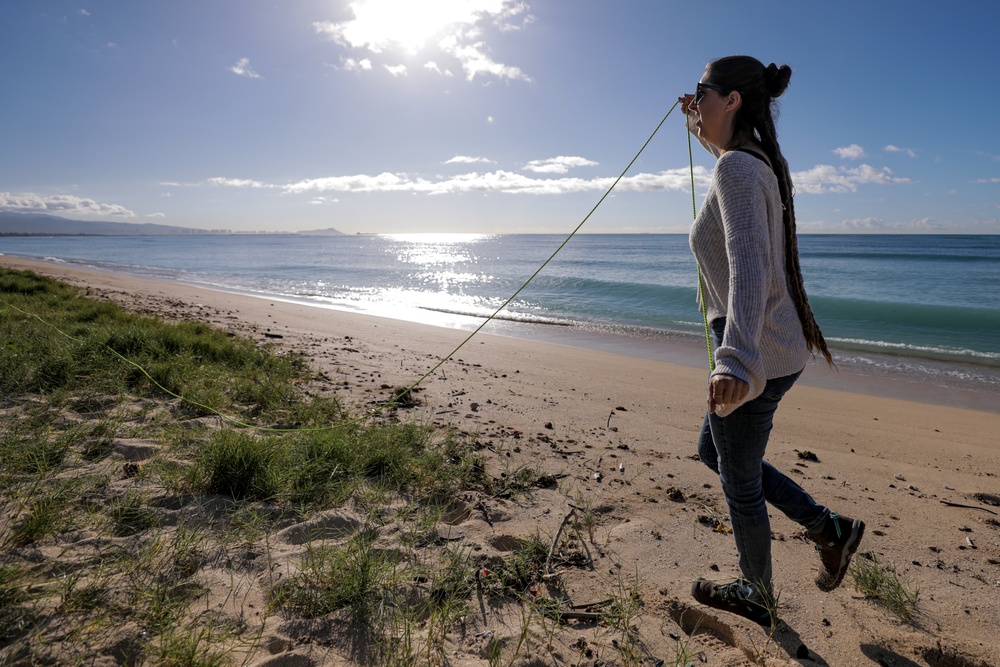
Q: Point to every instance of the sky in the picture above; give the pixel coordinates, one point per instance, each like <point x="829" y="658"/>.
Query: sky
<point x="486" y="116"/>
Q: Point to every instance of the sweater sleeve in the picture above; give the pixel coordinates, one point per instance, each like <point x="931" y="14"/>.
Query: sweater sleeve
<point x="743" y="205"/>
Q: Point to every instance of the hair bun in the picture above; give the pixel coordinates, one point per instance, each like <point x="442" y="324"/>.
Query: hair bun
<point x="776" y="79"/>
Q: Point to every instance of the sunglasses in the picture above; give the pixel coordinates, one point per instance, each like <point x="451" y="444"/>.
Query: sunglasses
<point x="702" y="87"/>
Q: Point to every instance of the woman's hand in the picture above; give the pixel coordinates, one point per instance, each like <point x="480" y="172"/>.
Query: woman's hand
<point x="726" y="390"/>
<point x="686" y="100"/>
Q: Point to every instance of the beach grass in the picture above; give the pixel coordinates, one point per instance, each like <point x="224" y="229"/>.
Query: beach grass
<point x="147" y="467"/>
<point x="880" y="582"/>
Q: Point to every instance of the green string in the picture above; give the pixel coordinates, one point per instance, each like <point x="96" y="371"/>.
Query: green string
<point x="440" y="363"/>
<point x="537" y="271"/>
<point x="701" y="281"/>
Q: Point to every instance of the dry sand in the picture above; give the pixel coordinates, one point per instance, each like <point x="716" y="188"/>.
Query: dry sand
<point x="618" y="433"/>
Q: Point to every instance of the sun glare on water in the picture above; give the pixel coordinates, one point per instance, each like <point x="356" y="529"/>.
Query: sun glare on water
<point x="435" y="250"/>
<point x="435" y="238"/>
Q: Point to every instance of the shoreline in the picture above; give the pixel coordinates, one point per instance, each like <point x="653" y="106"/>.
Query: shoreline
<point x="676" y="348"/>
<point x="617" y="433"/>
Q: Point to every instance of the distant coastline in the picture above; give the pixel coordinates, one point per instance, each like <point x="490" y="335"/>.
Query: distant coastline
<point x="193" y="232"/>
<point x="18" y="224"/>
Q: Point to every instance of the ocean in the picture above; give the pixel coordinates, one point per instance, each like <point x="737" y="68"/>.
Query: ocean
<point x="917" y="311"/>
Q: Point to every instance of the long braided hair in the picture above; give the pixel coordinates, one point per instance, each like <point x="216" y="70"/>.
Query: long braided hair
<point x="758" y="87"/>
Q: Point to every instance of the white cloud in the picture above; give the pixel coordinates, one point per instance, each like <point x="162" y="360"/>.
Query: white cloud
<point x="350" y="64"/>
<point x="500" y="181"/>
<point x="896" y="149"/>
<point x="863" y="224"/>
<point x="988" y="180"/>
<point x="474" y="60"/>
<point x="237" y="182"/>
<point x="852" y="152"/>
<point x="62" y="204"/>
<point x="875" y="225"/>
<point x="384" y="182"/>
<point x="821" y="179"/>
<point x="156" y="215"/>
<point x="451" y="28"/>
<point x="242" y="68"/>
<point x="433" y="66"/>
<point x="465" y="159"/>
<point x="825" y="178"/>
<point x="84" y="12"/>
<point x="515" y="10"/>
<point x="557" y="165"/>
<point x="396" y="70"/>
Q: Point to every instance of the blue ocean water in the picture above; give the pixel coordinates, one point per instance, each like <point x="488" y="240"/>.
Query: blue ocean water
<point x="912" y="305"/>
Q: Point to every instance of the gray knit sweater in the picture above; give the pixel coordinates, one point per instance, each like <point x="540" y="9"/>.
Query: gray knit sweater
<point x="738" y="242"/>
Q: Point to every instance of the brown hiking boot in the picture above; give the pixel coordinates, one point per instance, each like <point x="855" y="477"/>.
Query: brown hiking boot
<point x="836" y="542"/>
<point x="737" y="597"/>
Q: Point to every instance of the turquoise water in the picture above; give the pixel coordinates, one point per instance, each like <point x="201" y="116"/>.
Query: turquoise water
<point x="914" y="304"/>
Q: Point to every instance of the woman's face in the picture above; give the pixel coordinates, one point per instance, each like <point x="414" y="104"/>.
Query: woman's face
<point x="715" y="124"/>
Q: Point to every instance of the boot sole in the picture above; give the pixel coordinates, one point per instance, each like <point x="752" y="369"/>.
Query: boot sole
<point x="851" y="546"/>
<point x="748" y="614"/>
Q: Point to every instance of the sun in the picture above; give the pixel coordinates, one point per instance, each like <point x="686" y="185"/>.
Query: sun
<point x="408" y="24"/>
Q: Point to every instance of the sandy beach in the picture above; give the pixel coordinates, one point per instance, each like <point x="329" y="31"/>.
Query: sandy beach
<point x="618" y="434"/>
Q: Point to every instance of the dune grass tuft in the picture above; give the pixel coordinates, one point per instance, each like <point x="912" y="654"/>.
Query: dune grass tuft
<point x="880" y="582"/>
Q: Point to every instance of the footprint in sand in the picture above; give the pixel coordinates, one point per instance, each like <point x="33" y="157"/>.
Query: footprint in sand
<point x="327" y="526"/>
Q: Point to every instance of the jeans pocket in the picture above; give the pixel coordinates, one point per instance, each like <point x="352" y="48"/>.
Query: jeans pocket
<point x="778" y="387"/>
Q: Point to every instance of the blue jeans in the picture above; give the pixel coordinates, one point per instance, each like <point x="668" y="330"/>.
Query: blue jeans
<point x="733" y="446"/>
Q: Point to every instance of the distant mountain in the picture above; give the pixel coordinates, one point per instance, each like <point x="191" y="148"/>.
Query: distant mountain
<point x="330" y="231"/>
<point x="13" y="223"/>
<point x="24" y="224"/>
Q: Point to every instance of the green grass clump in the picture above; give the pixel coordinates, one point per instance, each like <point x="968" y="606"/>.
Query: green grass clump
<point x="242" y="465"/>
<point x="191" y="647"/>
<point x="331" y="465"/>
<point x="358" y="578"/>
<point x="323" y="468"/>
<point x="526" y="565"/>
<point x="45" y="509"/>
<point x="14" y="586"/>
<point x="17" y="612"/>
<point x="130" y="514"/>
<point x="55" y="339"/>
<point x="881" y="583"/>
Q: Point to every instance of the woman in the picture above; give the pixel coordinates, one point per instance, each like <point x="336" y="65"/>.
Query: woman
<point x="751" y="290"/>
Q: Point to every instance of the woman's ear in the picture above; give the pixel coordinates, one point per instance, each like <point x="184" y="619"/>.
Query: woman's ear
<point x="734" y="101"/>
